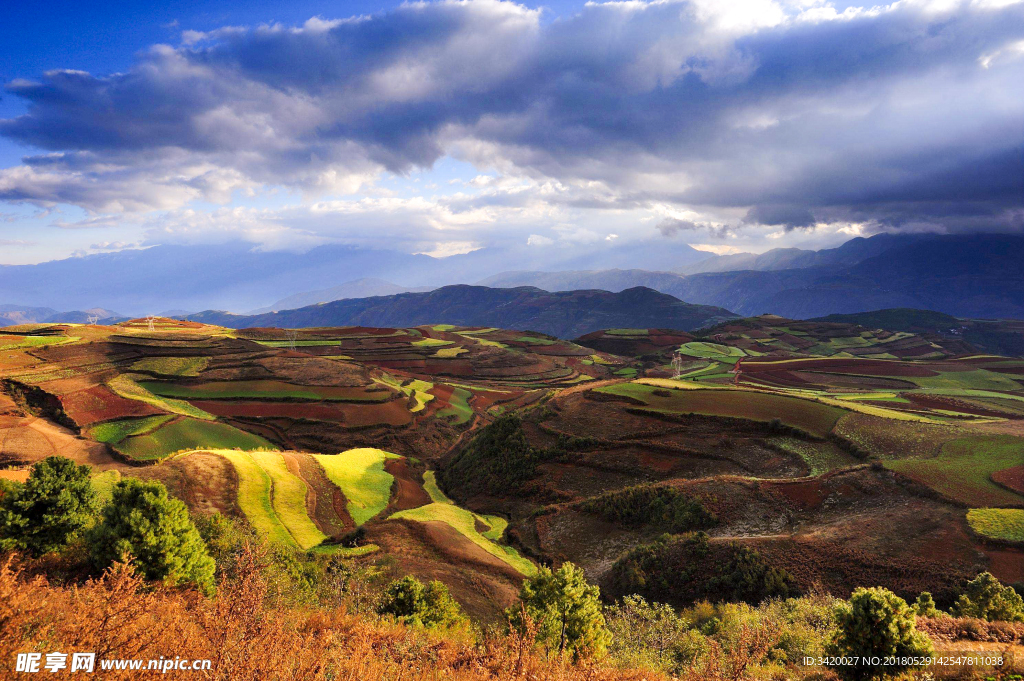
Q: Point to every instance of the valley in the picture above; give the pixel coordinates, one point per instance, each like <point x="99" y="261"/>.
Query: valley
<point x="840" y="455"/>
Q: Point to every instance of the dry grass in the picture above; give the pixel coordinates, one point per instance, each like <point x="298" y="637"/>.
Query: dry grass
<point x="249" y="636"/>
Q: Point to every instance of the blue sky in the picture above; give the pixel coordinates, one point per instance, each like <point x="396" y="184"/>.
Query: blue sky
<point x="447" y="126"/>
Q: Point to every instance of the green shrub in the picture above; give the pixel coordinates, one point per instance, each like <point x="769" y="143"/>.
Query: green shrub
<point x="566" y="610"/>
<point x="143" y="523"/>
<point x="924" y="606"/>
<point x="662" y="506"/>
<point x="986" y="598"/>
<point x="876" y="623"/>
<point x="690" y="568"/>
<point x="413" y="603"/>
<point x="45" y="512"/>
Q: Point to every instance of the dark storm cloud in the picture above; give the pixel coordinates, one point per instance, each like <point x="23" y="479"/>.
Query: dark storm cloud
<point x="894" y="115"/>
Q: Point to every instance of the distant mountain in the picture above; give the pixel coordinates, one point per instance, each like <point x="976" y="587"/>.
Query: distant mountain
<point x="359" y="288"/>
<point x="98" y="314"/>
<point x="850" y="253"/>
<point x="238" y="276"/>
<point x="976" y="275"/>
<point x="565" y="314"/>
<point x="12" y="315"/>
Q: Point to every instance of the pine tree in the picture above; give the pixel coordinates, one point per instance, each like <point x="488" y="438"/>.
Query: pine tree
<point x="44" y="513"/>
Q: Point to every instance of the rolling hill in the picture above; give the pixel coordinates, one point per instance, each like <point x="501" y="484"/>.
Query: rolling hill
<point x="566" y="314"/>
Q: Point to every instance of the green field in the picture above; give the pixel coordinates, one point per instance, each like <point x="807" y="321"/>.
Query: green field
<point x="1005" y="524"/>
<point x="820" y="457"/>
<point x="360" y="475"/>
<point x="979" y="379"/>
<point x="534" y="340"/>
<point x="254" y="490"/>
<point x="431" y="343"/>
<point x="722" y="353"/>
<point x="962" y="468"/>
<point x="458" y="409"/>
<point x="187" y="433"/>
<point x="172" y="366"/>
<point x="127" y="388"/>
<point x="226" y="390"/>
<point x="113" y="432"/>
<point x="443" y="510"/>
<point x="289" y="500"/>
<point x="415" y="388"/>
<point x="809" y="416"/>
<point x="18" y="342"/>
<point x="448" y="353"/>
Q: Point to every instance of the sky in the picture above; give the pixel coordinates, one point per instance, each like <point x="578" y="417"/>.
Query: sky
<point x="446" y="126"/>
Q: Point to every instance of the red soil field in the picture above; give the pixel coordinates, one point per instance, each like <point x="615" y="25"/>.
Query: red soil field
<point x="407" y="492"/>
<point x="392" y="413"/>
<point x="950" y="404"/>
<point x="98" y="403"/>
<point x="1010" y="478"/>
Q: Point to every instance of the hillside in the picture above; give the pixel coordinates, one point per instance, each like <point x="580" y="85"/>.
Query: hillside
<point x="565" y="314"/>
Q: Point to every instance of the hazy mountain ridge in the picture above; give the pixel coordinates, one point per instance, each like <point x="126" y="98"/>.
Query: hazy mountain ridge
<point x="566" y="314"/>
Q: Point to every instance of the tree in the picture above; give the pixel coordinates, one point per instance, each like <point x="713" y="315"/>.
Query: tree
<point x="925" y="605"/>
<point x="143" y="523"/>
<point x="876" y="623"/>
<point x="566" y="609"/>
<point x="986" y="598"/>
<point x="408" y="600"/>
<point x="44" y="513"/>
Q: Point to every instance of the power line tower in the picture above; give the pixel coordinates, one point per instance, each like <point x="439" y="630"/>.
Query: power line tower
<point x="293" y="335"/>
<point x="152" y="322"/>
<point x="92" y="319"/>
<point x="677" y="363"/>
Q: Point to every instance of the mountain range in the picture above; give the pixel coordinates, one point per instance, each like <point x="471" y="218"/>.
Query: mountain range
<point x="565" y="314"/>
<point x="976" y="276"/>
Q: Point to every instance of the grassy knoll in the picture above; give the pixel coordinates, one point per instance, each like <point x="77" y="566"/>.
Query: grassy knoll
<point x="254" y="490"/>
<point x="188" y="433"/>
<point x="962" y="468"/>
<point x="172" y="366"/>
<point x="113" y="432"/>
<point x="289" y="500"/>
<point x="1006" y="524"/>
<point x="227" y="390"/>
<point x="458" y="408"/>
<point x="124" y="386"/>
<point x="626" y="332"/>
<point x="360" y="475"/>
<point x="809" y="416"/>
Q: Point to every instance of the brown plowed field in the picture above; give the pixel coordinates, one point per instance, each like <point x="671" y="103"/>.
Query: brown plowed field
<point x="98" y="403"/>
<point x="28" y="439"/>
<point x="325" y="503"/>
<point x="842" y="366"/>
<point x="1010" y="478"/>
<point x="407" y="492"/>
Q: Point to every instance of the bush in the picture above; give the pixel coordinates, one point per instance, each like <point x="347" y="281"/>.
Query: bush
<point x="44" y="513"/>
<point x="413" y="603"/>
<point x="566" y="610"/>
<point x="924" y="606"/>
<point x="877" y="623"/>
<point x="143" y="523"/>
<point x="659" y="505"/>
<point x="986" y="598"/>
<point x="683" y="570"/>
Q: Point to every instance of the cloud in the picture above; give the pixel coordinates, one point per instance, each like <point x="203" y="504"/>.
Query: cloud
<point x="670" y="227"/>
<point x="793" y="114"/>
